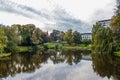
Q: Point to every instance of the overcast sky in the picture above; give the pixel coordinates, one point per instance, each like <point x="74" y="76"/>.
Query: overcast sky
<point x="78" y="15"/>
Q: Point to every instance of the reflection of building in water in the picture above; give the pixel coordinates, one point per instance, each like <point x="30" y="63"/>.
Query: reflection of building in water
<point x="87" y="36"/>
<point x="105" y="23"/>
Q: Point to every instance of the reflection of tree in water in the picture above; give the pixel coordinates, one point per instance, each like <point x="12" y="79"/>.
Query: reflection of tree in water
<point x="29" y="62"/>
<point x="70" y="56"/>
<point x="117" y="69"/>
<point x="106" y="65"/>
<point x="57" y="57"/>
<point x="26" y="62"/>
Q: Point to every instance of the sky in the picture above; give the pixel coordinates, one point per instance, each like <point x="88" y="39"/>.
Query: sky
<point x="62" y="15"/>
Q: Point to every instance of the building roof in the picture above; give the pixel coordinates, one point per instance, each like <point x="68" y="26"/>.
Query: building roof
<point x="104" y="20"/>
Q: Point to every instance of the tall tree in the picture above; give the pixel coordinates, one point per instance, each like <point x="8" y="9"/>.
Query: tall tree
<point x="45" y="37"/>
<point x="115" y="26"/>
<point x="69" y="36"/>
<point x="13" y="38"/>
<point x="55" y="35"/>
<point x="77" y="37"/>
<point x="36" y="37"/>
<point x="96" y="28"/>
<point x="102" y="39"/>
<point x="3" y="39"/>
<point x="26" y="32"/>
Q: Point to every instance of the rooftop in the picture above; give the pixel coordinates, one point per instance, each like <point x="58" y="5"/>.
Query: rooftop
<point x="104" y="20"/>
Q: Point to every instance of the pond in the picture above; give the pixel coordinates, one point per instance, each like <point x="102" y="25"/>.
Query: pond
<point x="60" y="65"/>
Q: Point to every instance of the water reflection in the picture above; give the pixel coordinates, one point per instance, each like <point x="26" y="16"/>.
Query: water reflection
<point x="69" y="56"/>
<point x="29" y="62"/>
<point x="25" y="62"/>
<point x="52" y="65"/>
<point x="106" y="65"/>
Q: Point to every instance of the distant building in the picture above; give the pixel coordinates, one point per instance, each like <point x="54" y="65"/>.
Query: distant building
<point x="87" y="36"/>
<point x="105" y="23"/>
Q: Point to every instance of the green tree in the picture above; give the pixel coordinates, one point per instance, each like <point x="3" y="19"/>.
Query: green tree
<point x="96" y="28"/>
<point x="86" y="41"/>
<point x="3" y="39"/>
<point x="36" y="37"/>
<point x="13" y="38"/>
<point x="102" y="39"/>
<point x="55" y="35"/>
<point x="45" y="37"/>
<point x="77" y="37"/>
<point x="26" y="32"/>
<point x="115" y="26"/>
<point x="69" y="36"/>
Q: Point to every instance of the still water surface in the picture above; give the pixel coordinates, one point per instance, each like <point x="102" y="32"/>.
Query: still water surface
<point x="60" y="65"/>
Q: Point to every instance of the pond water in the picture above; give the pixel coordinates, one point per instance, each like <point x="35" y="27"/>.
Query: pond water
<point x="60" y="65"/>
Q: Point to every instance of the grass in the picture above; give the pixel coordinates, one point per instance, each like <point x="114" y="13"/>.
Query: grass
<point x="23" y="48"/>
<point x="117" y="53"/>
<point x="80" y="46"/>
<point x="67" y="46"/>
<point x="4" y="55"/>
<point x="53" y="45"/>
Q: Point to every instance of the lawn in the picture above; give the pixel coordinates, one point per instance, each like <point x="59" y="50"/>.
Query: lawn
<point x="67" y="46"/>
<point x="4" y="55"/>
<point x="23" y="48"/>
<point x="117" y="53"/>
<point x="53" y="45"/>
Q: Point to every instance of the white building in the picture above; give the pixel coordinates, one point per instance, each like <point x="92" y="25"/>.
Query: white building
<point x="105" y="23"/>
<point x="87" y="36"/>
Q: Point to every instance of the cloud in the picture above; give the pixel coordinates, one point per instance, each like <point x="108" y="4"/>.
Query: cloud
<point x="103" y="13"/>
<point x="57" y="19"/>
<point x="12" y="7"/>
<point x="64" y="21"/>
<point x="118" y="1"/>
<point x="62" y="71"/>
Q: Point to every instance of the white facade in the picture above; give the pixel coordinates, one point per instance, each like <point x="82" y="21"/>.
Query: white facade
<point x="87" y="36"/>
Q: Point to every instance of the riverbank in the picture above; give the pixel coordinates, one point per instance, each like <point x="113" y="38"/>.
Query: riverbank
<point x="4" y="55"/>
<point x="117" y="53"/>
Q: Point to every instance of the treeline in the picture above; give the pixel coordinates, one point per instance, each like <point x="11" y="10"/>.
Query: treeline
<point x="28" y="35"/>
<point x="107" y="39"/>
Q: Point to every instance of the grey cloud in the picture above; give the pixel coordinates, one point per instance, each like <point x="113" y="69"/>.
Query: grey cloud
<point x="118" y="1"/>
<point x="102" y="14"/>
<point x="11" y="7"/>
<point x="62" y="20"/>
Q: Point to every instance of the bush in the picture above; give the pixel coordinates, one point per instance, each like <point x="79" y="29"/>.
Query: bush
<point x="45" y="47"/>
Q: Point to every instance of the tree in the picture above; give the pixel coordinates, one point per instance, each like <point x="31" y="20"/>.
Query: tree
<point x="45" y="37"/>
<point x="3" y="39"/>
<point x="96" y="28"/>
<point x="26" y="32"/>
<point x="36" y="37"/>
<point x="115" y="26"/>
<point x="62" y="35"/>
<point x="102" y="39"/>
<point x="13" y="39"/>
<point x="55" y="35"/>
<point x="77" y="37"/>
<point x="86" y="41"/>
<point x="69" y="36"/>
